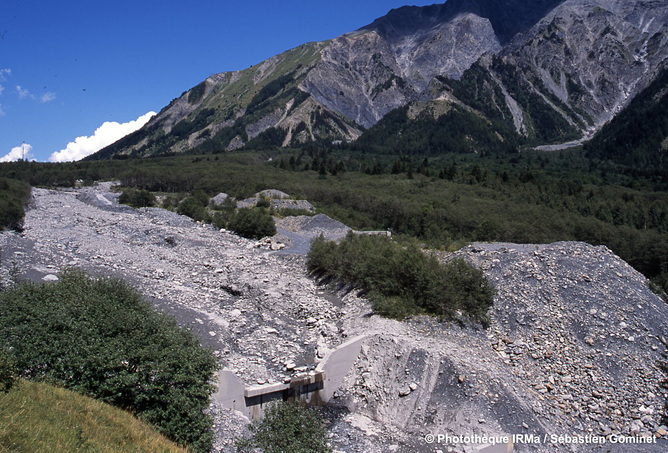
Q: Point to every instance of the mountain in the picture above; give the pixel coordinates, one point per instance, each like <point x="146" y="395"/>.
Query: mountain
<point x="637" y="138"/>
<point x="466" y="75"/>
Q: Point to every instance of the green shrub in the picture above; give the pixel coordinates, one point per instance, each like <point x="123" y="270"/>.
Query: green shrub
<point x="401" y="281"/>
<point x="263" y="203"/>
<point x="287" y="428"/>
<point x="252" y="223"/>
<point x="99" y="337"/>
<point x="8" y="372"/>
<point x="13" y="196"/>
<point x="11" y="214"/>
<point x="201" y="197"/>
<point x="170" y="202"/>
<point x="194" y="207"/>
<point x="137" y="198"/>
<point x="224" y="213"/>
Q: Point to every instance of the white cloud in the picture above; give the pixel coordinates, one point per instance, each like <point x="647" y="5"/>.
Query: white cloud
<point x="2" y="112"/>
<point x="105" y="135"/>
<point x="3" y="76"/>
<point x="47" y="97"/>
<point x="23" y="93"/>
<point x="18" y="153"/>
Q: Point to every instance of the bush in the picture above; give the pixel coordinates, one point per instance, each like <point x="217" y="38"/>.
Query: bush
<point x="13" y="196"/>
<point x="170" y="202"/>
<point x="263" y="203"/>
<point x="137" y="198"/>
<point x="287" y="428"/>
<point x="252" y="223"/>
<point x="401" y="281"/>
<point x="98" y="337"/>
<point x="224" y="213"/>
<point x="8" y="372"/>
<point x="194" y="207"/>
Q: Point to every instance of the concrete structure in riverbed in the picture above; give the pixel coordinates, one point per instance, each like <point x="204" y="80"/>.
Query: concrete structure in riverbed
<point x="314" y="388"/>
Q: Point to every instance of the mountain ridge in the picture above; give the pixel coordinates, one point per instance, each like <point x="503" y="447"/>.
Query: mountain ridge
<point x="553" y="71"/>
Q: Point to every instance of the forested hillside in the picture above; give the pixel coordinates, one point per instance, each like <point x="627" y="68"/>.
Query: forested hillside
<point x="636" y="141"/>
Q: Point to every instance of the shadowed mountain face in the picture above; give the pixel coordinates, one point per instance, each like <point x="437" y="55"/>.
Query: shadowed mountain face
<point x="507" y="17"/>
<point x="518" y="72"/>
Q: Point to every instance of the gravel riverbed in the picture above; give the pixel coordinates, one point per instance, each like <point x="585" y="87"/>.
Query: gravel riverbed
<point x="572" y="349"/>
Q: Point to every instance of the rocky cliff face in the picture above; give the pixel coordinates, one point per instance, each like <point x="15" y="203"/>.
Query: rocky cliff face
<point x="550" y="70"/>
<point x="595" y="55"/>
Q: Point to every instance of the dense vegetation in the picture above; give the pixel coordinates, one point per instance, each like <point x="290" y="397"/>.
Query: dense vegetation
<point x="38" y="417"/>
<point x="98" y="337"/>
<point x="286" y="428"/>
<point x="454" y="131"/>
<point x="194" y="206"/>
<point x="137" y="198"/>
<point x="9" y="373"/>
<point x="445" y="201"/>
<point x="402" y="281"/>
<point x="252" y="223"/>
<point x="13" y="196"/>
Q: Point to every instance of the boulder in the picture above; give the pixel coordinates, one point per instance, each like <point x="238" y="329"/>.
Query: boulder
<point x="219" y="199"/>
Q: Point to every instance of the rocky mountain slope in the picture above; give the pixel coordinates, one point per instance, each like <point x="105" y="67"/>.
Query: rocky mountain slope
<point x="540" y="72"/>
<point x="638" y="137"/>
<point x="573" y="347"/>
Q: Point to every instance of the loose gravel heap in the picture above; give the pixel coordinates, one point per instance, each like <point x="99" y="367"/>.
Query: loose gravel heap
<point x="314" y="226"/>
<point x="572" y="348"/>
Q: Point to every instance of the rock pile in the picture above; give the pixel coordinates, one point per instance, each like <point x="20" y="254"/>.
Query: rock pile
<point x="573" y="349"/>
<point x="583" y="327"/>
<point x="277" y="200"/>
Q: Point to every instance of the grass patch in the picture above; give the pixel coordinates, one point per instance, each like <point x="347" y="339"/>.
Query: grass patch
<point x="39" y="417"/>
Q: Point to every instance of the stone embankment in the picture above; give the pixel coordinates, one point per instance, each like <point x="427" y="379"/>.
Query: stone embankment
<point x="572" y="350"/>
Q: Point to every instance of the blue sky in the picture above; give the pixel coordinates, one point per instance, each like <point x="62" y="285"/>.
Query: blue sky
<point x="69" y="69"/>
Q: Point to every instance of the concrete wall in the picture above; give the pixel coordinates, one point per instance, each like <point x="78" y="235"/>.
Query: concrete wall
<point x="498" y="448"/>
<point x="311" y="389"/>
<point x="337" y="363"/>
